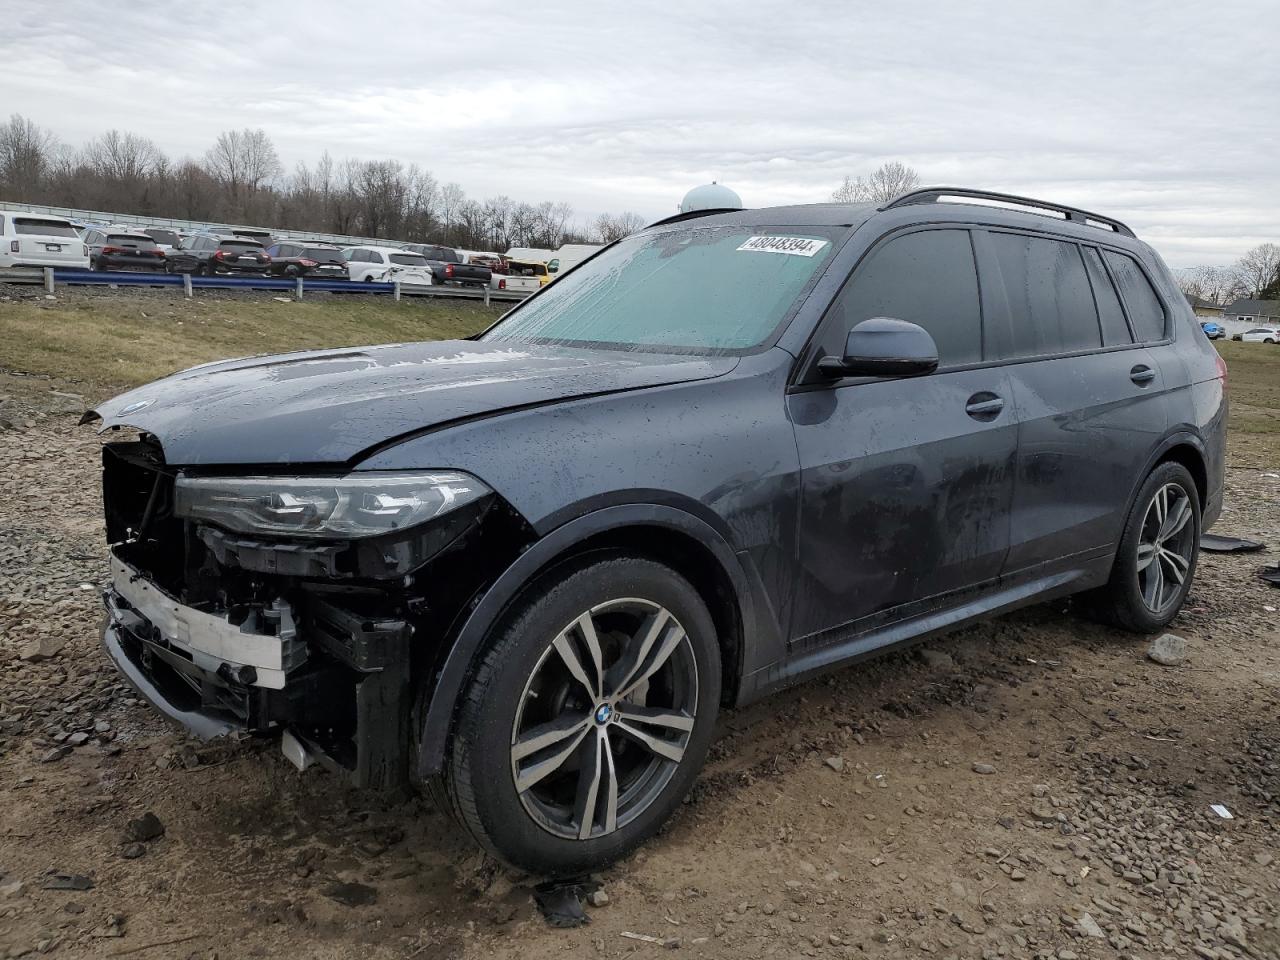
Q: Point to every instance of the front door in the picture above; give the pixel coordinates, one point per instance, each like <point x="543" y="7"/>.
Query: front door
<point x="906" y="484"/>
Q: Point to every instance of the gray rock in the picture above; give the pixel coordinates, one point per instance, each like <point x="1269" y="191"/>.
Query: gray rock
<point x="1089" y="927"/>
<point x="57" y="753"/>
<point x="984" y="768"/>
<point x="146" y="827"/>
<point x="936" y="658"/>
<point x="835" y="763"/>
<point x="352" y="894"/>
<point x="1168" y="649"/>
<point x="39" y="649"/>
<point x="598" y="898"/>
<point x="132" y="851"/>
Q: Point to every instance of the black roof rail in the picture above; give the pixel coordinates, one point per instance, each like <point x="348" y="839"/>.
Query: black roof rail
<point x="935" y="194"/>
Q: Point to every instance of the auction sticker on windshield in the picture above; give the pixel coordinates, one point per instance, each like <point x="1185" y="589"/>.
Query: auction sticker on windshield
<point x="795" y="246"/>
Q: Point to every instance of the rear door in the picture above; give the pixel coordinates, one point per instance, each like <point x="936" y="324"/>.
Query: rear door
<point x="906" y="484"/>
<point x="1089" y="396"/>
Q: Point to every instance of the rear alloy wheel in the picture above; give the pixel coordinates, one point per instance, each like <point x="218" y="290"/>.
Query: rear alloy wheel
<point x="1156" y="560"/>
<point x="587" y="719"/>
<point x="1166" y="548"/>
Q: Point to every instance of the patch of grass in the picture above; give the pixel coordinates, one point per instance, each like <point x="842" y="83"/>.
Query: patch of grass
<point x="1253" y="390"/>
<point x="110" y="342"/>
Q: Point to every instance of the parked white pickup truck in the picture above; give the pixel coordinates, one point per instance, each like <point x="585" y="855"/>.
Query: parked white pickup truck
<point x="514" y="283"/>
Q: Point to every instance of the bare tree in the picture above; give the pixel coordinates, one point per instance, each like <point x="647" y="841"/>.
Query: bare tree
<point x="244" y="162"/>
<point x="1216" y="285"/>
<point x="610" y="227"/>
<point x="452" y="198"/>
<point x="1258" y="268"/>
<point x="889" y="181"/>
<point x="27" y="157"/>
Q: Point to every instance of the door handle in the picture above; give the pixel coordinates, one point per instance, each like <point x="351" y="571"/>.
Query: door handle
<point x="1142" y="374"/>
<point x="984" y="406"/>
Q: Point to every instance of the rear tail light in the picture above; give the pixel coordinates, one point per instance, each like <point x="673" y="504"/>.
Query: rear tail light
<point x="85" y="246"/>
<point x="448" y="269"/>
<point x="502" y="284"/>
<point x="219" y="255"/>
<point x="13" y="246"/>
<point x="1222" y="369"/>
<point x="264" y="258"/>
<point x="308" y="263"/>
<point x="113" y="249"/>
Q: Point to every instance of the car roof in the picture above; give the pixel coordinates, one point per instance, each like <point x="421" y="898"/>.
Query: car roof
<point x="380" y="249"/>
<point x="24" y="215"/>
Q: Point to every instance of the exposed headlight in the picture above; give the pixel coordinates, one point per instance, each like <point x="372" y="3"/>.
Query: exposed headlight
<point x="356" y="505"/>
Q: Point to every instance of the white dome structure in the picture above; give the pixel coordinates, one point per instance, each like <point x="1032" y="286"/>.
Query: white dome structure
<point x="710" y="196"/>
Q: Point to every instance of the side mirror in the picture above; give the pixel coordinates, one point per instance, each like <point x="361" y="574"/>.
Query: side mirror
<point x="553" y="265"/>
<point x="884" y="347"/>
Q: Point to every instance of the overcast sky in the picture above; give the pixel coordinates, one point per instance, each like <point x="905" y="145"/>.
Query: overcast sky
<point x="1162" y="113"/>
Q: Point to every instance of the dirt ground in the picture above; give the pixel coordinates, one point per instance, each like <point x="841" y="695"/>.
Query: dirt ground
<point x="1032" y="787"/>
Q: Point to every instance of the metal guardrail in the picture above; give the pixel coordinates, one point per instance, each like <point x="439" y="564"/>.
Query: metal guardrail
<point x="49" y="277"/>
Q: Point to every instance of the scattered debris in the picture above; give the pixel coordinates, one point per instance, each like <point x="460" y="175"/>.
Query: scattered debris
<point x="1271" y="575"/>
<point x="1168" y="649"/>
<point x="560" y="901"/>
<point x="1221" y="811"/>
<point x="1216" y="544"/>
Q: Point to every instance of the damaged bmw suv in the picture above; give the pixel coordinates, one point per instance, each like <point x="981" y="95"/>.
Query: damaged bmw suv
<point x="525" y="571"/>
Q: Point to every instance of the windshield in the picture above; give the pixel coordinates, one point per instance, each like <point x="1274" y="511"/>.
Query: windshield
<point x="44" y="228"/>
<point x="163" y="236"/>
<point x="700" y="289"/>
<point x="408" y="260"/>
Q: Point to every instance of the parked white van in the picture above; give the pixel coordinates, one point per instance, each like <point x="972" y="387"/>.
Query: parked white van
<point x="37" y="240"/>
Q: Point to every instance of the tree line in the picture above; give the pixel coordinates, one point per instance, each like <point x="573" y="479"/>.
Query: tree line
<point x="241" y="180"/>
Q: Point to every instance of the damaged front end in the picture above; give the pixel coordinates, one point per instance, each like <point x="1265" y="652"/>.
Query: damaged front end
<point x="305" y="604"/>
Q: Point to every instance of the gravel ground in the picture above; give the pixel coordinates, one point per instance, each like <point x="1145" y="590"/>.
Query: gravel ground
<point x="1032" y="787"/>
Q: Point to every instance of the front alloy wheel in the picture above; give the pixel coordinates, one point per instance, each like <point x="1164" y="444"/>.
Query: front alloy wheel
<point x="587" y="716"/>
<point x="605" y="719"/>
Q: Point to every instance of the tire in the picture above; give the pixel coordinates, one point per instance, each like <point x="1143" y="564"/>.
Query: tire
<point x="1268" y="340"/>
<point x="99" y="266"/>
<point x="202" y="270"/>
<point x="1125" y="601"/>
<point x="649" y="623"/>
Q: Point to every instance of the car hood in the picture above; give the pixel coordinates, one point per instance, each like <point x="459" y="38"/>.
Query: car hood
<point x="330" y="406"/>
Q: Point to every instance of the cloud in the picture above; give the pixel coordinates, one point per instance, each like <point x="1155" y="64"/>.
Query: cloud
<point x="1160" y="113"/>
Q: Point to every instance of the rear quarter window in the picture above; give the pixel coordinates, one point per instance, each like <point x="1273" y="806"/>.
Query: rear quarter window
<point x="1115" y="330"/>
<point x="1145" y="310"/>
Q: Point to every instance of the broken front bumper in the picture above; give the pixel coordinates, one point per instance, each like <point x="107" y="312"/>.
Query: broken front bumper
<point x="340" y="686"/>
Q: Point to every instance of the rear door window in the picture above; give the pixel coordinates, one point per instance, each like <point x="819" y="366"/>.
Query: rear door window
<point x="1050" y="300"/>
<point x="1115" y="330"/>
<point x="928" y="278"/>
<point x="1145" y="311"/>
<point x="239" y="247"/>
<point x="408" y="259"/>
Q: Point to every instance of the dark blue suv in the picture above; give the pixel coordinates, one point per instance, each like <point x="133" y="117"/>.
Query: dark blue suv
<point x="526" y="570"/>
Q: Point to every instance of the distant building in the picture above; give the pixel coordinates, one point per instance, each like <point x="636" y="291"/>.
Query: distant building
<point x="1205" y="308"/>
<point x="1242" y="315"/>
<point x="1253" y="311"/>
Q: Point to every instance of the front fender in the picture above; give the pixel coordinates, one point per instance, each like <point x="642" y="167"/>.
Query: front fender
<point x="436" y="716"/>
